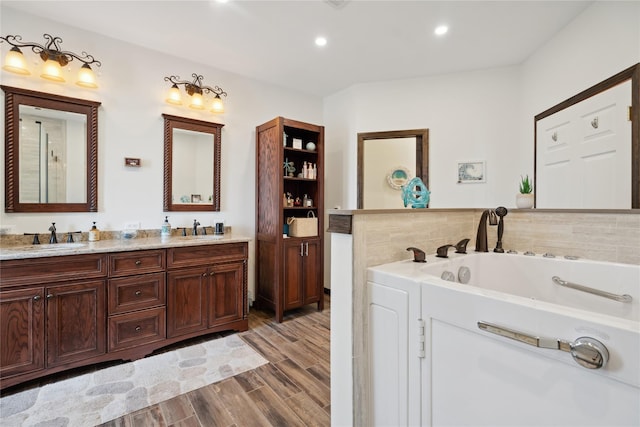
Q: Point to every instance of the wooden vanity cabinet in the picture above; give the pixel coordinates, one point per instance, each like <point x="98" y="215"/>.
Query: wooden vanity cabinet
<point x="206" y="289"/>
<point x="137" y="299"/>
<point x="52" y="314"/>
<point x="68" y="311"/>
<point x="21" y="331"/>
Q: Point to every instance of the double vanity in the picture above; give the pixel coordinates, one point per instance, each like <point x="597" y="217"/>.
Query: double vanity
<point x="76" y="304"/>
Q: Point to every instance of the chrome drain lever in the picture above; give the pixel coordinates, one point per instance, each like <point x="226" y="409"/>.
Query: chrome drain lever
<point x="587" y="352"/>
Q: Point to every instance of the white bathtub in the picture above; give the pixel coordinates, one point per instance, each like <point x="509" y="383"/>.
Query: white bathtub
<point x="464" y="375"/>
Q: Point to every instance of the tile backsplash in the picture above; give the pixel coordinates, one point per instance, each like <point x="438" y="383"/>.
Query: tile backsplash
<point x="611" y="237"/>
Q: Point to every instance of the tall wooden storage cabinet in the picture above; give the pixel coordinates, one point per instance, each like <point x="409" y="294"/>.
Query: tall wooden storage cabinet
<point x="289" y="270"/>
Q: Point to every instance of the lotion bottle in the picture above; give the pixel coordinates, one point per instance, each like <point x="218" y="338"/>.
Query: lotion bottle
<point x="94" y="233"/>
<point x="165" y="230"/>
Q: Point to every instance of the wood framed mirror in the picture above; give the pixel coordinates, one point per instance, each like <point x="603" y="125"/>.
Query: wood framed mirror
<point x="191" y="164"/>
<point x="51" y="152"/>
<point x="380" y="155"/>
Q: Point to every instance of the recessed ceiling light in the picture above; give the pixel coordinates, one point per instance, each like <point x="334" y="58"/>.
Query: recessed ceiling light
<point x="441" y="30"/>
<point x="321" y="41"/>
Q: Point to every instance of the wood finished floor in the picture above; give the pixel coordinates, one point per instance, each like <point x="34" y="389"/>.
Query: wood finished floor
<point x="291" y="390"/>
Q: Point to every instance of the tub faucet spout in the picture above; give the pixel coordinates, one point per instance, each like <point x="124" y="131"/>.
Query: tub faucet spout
<point x="481" y="237"/>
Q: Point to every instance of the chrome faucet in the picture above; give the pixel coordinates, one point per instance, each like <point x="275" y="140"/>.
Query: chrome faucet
<point x="481" y="237"/>
<point x="52" y="229"/>
<point x="195" y="227"/>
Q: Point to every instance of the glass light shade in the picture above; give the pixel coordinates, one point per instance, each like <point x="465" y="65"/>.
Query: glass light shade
<point x="174" y="97"/>
<point x="196" y="102"/>
<point x="14" y="62"/>
<point x="217" y="106"/>
<point x="86" y="77"/>
<point x="52" y="71"/>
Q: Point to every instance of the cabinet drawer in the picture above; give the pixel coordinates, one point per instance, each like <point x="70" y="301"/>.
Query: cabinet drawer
<point x="137" y="328"/>
<point x="207" y="254"/>
<point x="52" y="269"/>
<point x="136" y="262"/>
<point x="136" y="292"/>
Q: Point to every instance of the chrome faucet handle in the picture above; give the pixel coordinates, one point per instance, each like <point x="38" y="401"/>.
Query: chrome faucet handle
<point x="70" y="235"/>
<point x="36" y="240"/>
<point x="461" y="246"/>
<point x="441" y="252"/>
<point x="418" y="254"/>
<point x="493" y="218"/>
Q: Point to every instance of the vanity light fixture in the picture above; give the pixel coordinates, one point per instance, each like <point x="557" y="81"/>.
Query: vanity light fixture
<point x="53" y="57"/>
<point x="196" y="91"/>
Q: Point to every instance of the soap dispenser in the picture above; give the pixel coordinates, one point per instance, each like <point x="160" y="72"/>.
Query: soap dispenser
<point x="165" y="231"/>
<point x="94" y="233"/>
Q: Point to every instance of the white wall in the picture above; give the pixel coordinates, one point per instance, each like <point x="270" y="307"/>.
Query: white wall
<point x="470" y="116"/>
<point x="132" y="91"/>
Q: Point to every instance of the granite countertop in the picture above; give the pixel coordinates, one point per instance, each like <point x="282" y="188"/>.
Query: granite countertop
<point x="113" y="245"/>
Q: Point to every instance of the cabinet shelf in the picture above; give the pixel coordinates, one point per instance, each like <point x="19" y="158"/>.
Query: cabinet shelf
<point x="300" y="150"/>
<point x="300" y="208"/>
<point x="295" y="178"/>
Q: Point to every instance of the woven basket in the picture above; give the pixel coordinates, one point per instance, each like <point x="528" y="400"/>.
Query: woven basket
<point x="303" y="227"/>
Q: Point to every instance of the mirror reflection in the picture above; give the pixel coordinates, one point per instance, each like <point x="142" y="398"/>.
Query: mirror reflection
<point x="193" y="183"/>
<point x="192" y="164"/>
<point x="386" y="161"/>
<point x="51" y="155"/>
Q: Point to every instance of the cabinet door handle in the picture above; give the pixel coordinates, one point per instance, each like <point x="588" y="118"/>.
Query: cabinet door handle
<point x="37" y="298"/>
<point x="138" y="293"/>
<point x="301" y="249"/>
<point x="138" y="328"/>
<point x="204" y="274"/>
<point x="306" y="248"/>
<point x="138" y="262"/>
<point x="49" y="296"/>
<point x="211" y="273"/>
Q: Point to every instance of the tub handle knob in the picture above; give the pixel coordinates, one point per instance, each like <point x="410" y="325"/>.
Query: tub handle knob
<point x="587" y="352"/>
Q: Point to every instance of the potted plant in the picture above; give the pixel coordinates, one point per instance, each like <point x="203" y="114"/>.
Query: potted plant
<point x="524" y="199"/>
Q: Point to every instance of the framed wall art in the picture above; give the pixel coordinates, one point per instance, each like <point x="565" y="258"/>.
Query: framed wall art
<point x="471" y="172"/>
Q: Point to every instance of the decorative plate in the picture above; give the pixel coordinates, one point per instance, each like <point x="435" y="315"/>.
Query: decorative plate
<point x="398" y="177"/>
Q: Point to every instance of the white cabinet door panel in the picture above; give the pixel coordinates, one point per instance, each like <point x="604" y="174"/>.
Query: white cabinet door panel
<point x="583" y="154"/>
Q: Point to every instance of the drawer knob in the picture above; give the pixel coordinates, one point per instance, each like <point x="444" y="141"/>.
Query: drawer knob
<point x="138" y="293"/>
<point x="138" y="262"/>
<point x="138" y="328"/>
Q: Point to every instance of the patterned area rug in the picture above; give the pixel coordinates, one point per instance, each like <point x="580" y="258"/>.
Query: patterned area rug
<point x="106" y="394"/>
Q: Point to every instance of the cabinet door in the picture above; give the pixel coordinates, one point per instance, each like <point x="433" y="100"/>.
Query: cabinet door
<point x="226" y="299"/>
<point x="293" y="274"/>
<point x="76" y="321"/>
<point x="21" y="331"/>
<point x="311" y="272"/>
<point x="186" y="301"/>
